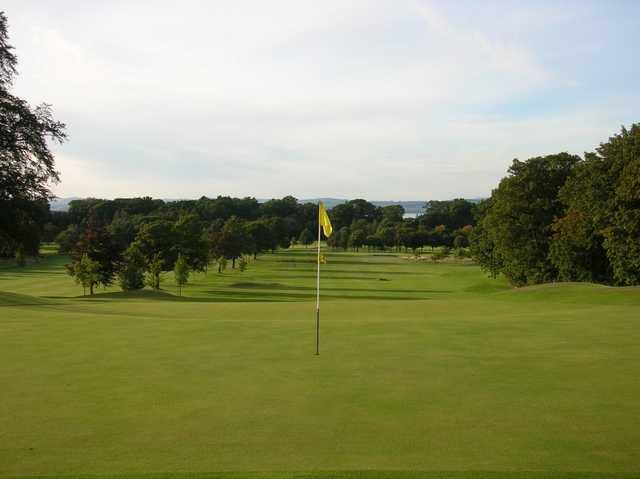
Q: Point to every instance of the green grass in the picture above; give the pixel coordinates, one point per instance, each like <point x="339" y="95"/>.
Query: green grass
<point x="430" y="369"/>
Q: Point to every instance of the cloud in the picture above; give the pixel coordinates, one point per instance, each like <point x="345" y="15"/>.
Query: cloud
<point x="392" y="99"/>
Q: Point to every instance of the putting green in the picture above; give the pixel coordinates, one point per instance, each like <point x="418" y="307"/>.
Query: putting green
<point x="432" y="369"/>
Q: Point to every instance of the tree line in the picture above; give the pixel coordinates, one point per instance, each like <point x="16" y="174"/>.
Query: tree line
<point x="133" y="241"/>
<point x="566" y="218"/>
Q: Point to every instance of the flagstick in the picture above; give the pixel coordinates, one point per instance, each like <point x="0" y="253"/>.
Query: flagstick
<point x="318" y="292"/>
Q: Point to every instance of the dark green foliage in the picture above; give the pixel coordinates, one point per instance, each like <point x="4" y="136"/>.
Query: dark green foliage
<point x="393" y="213"/>
<point x="306" y="237"/>
<point x="27" y="164"/>
<point x="453" y="214"/>
<point x="96" y="244"/>
<point x="357" y="237"/>
<point x="562" y="218"/>
<point x="86" y="273"/>
<point x="232" y="240"/>
<point x="263" y="235"/>
<point x="598" y="238"/>
<point x="190" y="242"/>
<point x="68" y="238"/>
<point x="518" y="220"/>
<point x="131" y="274"/>
<point x="181" y="272"/>
<point x="482" y="247"/>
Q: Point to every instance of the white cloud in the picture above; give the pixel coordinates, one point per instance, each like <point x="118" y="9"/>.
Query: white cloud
<point x="392" y="99"/>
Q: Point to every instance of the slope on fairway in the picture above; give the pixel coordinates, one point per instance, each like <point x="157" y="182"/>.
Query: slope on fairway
<point x="424" y="367"/>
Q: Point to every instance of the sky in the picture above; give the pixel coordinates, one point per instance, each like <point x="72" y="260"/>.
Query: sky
<point x="383" y="100"/>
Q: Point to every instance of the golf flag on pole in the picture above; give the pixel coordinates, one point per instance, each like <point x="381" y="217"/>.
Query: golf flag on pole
<point x="324" y="220"/>
<point x="325" y="223"/>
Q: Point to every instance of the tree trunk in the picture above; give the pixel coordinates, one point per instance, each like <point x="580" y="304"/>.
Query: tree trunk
<point x="157" y="282"/>
<point x="233" y="263"/>
<point x="255" y="255"/>
<point x="91" y="289"/>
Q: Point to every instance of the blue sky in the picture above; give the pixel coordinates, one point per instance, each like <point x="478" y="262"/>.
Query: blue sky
<point x="375" y="99"/>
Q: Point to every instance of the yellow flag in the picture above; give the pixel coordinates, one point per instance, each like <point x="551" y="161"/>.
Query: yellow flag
<point x="323" y="218"/>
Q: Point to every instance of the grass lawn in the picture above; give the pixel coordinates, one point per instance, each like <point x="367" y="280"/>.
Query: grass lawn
<point x="433" y="370"/>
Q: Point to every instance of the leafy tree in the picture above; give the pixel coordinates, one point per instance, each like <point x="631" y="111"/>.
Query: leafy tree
<point x="232" y="240"/>
<point x="27" y="165"/>
<point x="482" y="247"/>
<point x="306" y="237"/>
<point x="518" y="221"/>
<point x="262" y="236"/>
<point x="97" y="245"/>
<point x="86" y="273"/>
<point x="393" y="213"/>
<point x="454" y="214"/>
<point x="68" y="238"/>
<point x="155" y="243"/>
<point x="122" y="230"/>
<point x="340" y="238"/>
<point x="387" y="235"/>
<point x="597" y="237"/>
<point x="190" y="242"/>
<point x="155" y="267"/>
<point x="131" y="274"/>
<point x="357" y="237"/>
<point x="374" y="241"/>
<point x="181" y="272"/>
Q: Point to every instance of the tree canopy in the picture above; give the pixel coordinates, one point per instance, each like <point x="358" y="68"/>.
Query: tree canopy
<point x="27" y="165"/>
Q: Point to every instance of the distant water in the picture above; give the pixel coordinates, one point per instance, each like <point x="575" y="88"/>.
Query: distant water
<point x="410" y="215"/>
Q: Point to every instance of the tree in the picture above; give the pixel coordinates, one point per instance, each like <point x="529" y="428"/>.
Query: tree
<point x="232" y="240"/>
<point x="154" y="270"/>
<point x="68" y="238"/>
<point x="357" y="238"/>
<point x="155" y="243"/>
<point x="306" y="237"/>
<point x="518" y="222"/>
<point x="86" y="273"/>
<point x="27" y="165"/>
<point x="393" y="213"/>
<point x="190" y="242"/>
<point x="262" y="236"/>
<point x="181" y="272"/>
<point x="454" y="214"/>
<point x="131" y="274"/>
<point x="597" y="237"/>
<point x="97" y="245"/>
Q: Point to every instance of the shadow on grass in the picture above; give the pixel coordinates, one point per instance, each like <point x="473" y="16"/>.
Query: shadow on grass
<point x="15" y="299"/>
<point x="280" y="286"/>
<point x="230" y="296"/>
<point x="329" y="270"/>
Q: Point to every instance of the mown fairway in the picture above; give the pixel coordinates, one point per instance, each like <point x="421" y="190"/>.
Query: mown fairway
<point x="423" y="367"/>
